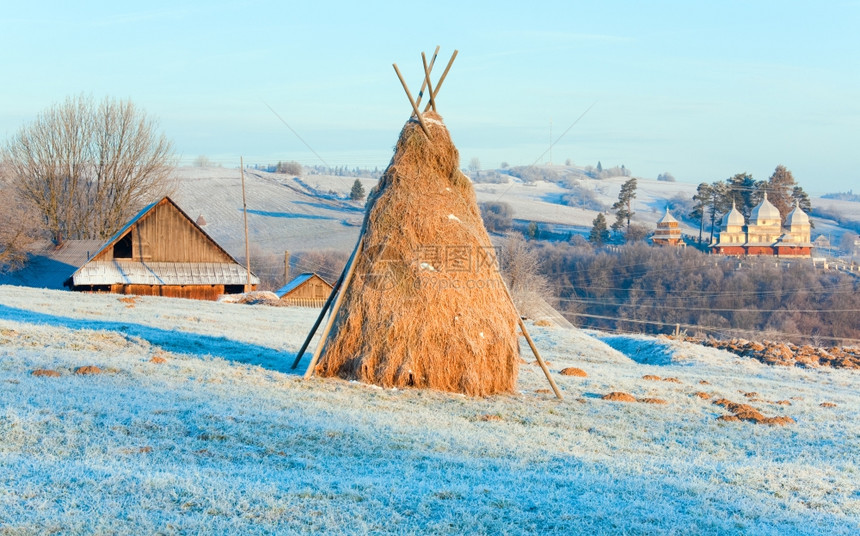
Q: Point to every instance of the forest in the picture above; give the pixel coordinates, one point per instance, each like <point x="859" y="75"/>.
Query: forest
<point x="646" y="289"/>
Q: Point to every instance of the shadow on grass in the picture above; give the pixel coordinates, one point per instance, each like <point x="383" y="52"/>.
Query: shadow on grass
<point x="178" y="342"/>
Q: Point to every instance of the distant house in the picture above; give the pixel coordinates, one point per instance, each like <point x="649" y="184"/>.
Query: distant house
<point x="822" y="242"/>
<point x="306" y="290"/>
<point x="668" y="231"/>
<point x="162" y="252"/>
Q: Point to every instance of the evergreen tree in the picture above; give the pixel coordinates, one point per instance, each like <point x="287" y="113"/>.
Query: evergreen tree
<point x="702" y="200"/>
<point x="599" y="233"/>
<point x="624" y="206"/>
<point x="720" y="203"/>
<point x="741" y="189"/>
<point x="357" y="193"/>
<point x="599" y="167"/>
<point x="780" y="187"/>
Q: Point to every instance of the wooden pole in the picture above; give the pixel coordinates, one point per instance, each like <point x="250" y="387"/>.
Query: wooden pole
<point x="540" y="360"/>
<point x="286" y="267"/>
<point x="326" y="305"/>
<point x="432" y="102"/>
<point x="444" y="74"/>
<point x="423" y="84"/>
<point x="335" y="307"/>
<point x="245" y="212"/>
<point x="528" y="337"/>
<point x="412" y="102"/>
<point x="316" y="325"/>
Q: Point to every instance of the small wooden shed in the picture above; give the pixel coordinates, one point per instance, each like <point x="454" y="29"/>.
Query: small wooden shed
<point x="162" y="252"/>
<point x="306" y="290"/>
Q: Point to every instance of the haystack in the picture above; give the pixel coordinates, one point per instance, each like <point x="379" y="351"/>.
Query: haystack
<point x="426" y="306"/>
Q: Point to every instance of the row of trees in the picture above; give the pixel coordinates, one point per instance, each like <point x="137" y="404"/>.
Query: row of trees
<point x="715" y="199"/>
<point x="638" y="288"/>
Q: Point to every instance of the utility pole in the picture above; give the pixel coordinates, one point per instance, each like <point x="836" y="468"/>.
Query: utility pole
<point x="245" y="212"/>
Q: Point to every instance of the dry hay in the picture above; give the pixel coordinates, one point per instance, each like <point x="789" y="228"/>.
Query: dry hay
<point x="651" y="378"/>
<point x="45" y="373"/>
<point x="618" y="396"/>
<point x="88" y="369"/>
<point x="426" y="306"/>
<point x="745" y="412"/>
<point x="827" y="405"/>
<point x="703" y="395"/>
<point x="652" y="401"/>
<point x="573" y="371"/>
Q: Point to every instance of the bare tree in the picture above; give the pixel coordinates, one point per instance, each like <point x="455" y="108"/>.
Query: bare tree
<point x="475" y="166"/>
<point x="202" y="161"/>
<point x="18" y="226"/>
<point x="521" y="270"/>
<point x="88" y="167"/>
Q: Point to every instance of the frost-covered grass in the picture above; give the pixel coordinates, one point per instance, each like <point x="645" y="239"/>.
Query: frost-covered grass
<point x="223" y="438"/>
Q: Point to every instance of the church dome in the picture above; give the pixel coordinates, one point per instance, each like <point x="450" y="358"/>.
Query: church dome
<point x="667" y="218"/>
<point x="797" y="216"/>
<point x="733" y="217"/>
<point x="765" y="211"/>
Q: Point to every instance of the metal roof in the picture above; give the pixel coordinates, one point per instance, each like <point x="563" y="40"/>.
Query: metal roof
<point x="125" y="272"/>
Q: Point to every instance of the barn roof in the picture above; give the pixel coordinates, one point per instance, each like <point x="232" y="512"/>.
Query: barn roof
<point x="100" y="271"/>
<point x="121" y="272"/>
<point x="143" y="213"/>
<point x="297" y="282"/>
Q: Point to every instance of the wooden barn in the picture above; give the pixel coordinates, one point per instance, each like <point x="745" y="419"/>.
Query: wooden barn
<point x="306" y="290"/>
<point x="162" y="252"/>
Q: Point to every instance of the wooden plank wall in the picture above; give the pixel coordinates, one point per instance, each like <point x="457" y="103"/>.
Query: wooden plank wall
<point x="194" y="292"/>
<point x="313" y="289"/>
<point x="165" y="235"/>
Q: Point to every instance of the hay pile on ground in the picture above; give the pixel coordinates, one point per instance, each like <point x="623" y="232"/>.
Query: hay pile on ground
<point x="426" y="306"/>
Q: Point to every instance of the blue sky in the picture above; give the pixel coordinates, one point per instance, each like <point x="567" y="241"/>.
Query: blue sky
<point x="702" y="90"/>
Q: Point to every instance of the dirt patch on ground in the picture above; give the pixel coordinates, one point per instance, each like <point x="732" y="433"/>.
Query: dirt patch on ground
<point x="618" y="396"/>
<point x="652" y="401"/>
<point x="46" y="373"/>
<point x="703" y="395"/>
<point x="827" y="405"/>
<point x="88" y="369"/>
<point x="573" y="371"/>
<point x="651" y="378"/>
<point x="787" y="354"/>
<point x="745" y="412"/>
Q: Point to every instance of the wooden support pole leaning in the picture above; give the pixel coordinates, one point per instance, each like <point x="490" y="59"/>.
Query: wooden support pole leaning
<point x="442" y="79"/>
<point x="424" y="84"/>
<point x="540" y="360"/>
<point x="316" y="326"/>
<point x="412" y="102"/>
<point x="350" y="269"/>
<point x="432" y="102"/>
<point x="528" y="337"/>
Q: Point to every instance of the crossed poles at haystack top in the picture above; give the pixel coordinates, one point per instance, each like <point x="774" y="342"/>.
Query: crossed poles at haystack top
<point x="343" y="281"/>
